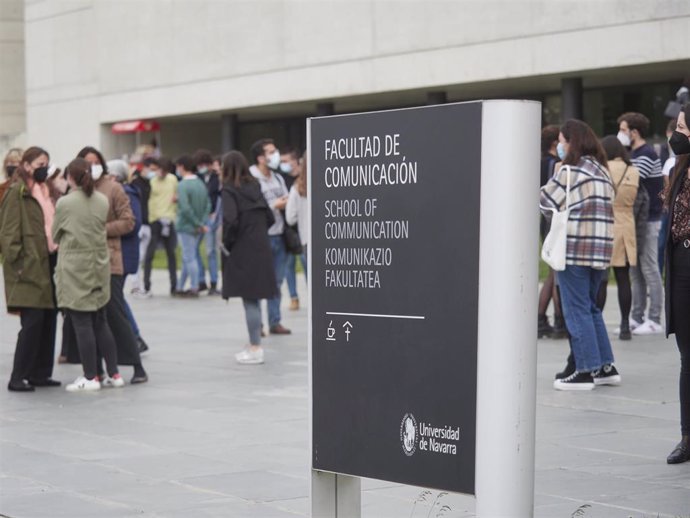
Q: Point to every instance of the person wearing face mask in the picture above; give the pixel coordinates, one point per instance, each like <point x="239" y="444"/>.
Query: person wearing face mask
<point x="141" y="180"/>
<point x="676" y="198"/>
<point x="633" y="128"/>
<point x="589" y="250"/>
<point x="162" y="214"/>
<point x="120" y="222"/>
<point x="9" y="165"/>
<point x="27" y="270"/>
<point x="203" y="159"/>
<point x="289" y="169"/>
<point x="266" y="159"/>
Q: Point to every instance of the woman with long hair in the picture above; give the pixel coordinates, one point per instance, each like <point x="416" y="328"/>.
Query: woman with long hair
<point x="588" y="254"/>
<point x="626" y="180"/>
<point x="82" y="276"/>
<point x="28" y="261"/>
<point x="247" y="259"/>
<point x="677" y="201"/>
<point x="297" y="210"/>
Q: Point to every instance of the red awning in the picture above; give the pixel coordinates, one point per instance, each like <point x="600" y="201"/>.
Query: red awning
<point x="135" y="126"/>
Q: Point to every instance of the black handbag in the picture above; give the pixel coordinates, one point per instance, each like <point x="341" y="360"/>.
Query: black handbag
<point x="293" y="244"/>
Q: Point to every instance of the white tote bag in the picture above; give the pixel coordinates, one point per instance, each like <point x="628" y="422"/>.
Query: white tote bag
<point x="556" y="241"/>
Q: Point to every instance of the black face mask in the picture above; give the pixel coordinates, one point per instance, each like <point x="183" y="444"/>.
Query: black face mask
<point x="10" y="169"/>
<point x="679" y="143"/>
<point x="40" y="174"/>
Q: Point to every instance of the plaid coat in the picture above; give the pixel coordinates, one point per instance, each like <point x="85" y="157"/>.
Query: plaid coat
<point x="590" y="224"/>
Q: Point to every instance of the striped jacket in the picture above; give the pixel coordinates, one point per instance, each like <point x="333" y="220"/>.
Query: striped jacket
<point x="590" y="224"/>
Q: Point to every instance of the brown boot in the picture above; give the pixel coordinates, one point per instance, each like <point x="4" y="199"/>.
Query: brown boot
<point x="294" y="304"/>
<point x="278" y="329"/>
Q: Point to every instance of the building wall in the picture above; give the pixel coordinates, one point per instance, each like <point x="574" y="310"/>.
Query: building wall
<point x="12" y="90"/>
<point x="93" y="62"/>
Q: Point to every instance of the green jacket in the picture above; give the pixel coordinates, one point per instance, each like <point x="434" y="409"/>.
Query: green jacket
<point x="193" y="205"/>
<point x="24" y="249"/>
<point x="82" y="275"/>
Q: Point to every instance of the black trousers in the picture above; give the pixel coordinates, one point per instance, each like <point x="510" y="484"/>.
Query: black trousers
<point x="127" y="346"/>
<point x="34" y="354"/>
<point x="125" y="340"/>
<point x="680" y="307"/>
<point x="93" y="336"/>
<point x="170" y="243"/>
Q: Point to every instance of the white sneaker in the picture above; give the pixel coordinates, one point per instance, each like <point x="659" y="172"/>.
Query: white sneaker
<point x="649" y="327"/>
<point x="250" y="357"/>
<point x="81" y="384"/>
<point x="114" y="382"/>
<point x="142" y="294"/>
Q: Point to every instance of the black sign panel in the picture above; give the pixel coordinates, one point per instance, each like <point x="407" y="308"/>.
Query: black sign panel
<point x="395" y="265"/>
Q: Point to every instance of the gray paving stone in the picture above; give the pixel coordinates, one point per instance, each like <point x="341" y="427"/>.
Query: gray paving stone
<point x="209" y="438"/>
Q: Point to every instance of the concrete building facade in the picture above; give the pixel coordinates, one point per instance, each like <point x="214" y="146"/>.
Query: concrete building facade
<point x="220" y="74"/>
<point x="12" y="86"/>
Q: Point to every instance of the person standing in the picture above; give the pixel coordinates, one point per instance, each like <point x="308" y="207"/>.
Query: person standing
<point x="82" y="275"/>
<point x="266" y="161"/>
<point x="626" y="180"/>
<point x="549" y="290"/>
<point x="206" y="171"/>
<point x="27" y="271"/>
<point x="677" y="201"/>
<point x="289" y="169"/>
<point x="589" y="248"/>
<point x="633" y="128"/>
<point x="120" y="222"/>
<point x="297" y="209"/>
<point x="9" y="165"/>
<point x="130" y="242"/>
<point x="162" y="214"/>
<point x="193" y="207"/>
<point x="248" y="263"/>
<point x="141" y="179"/>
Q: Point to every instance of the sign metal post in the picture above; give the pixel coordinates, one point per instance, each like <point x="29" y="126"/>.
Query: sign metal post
<point x="422" y="315"/>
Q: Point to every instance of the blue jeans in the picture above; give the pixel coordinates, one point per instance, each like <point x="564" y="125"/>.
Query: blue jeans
<point x="279" y="263"/>
<point x="190" y="243"/>
<point x="252" y="313"/>
<point x="590" y="341"/>
<point x="211" y="241"/>
<point x="290" y="275"/>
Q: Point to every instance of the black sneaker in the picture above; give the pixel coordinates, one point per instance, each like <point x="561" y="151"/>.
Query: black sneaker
<point x="576" y="381"/>
<point x="607" y="375"/>
<point x="569" y="368"/>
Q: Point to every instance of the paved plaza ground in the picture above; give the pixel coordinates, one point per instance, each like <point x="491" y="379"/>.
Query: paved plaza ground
<point x="209" y="438"/>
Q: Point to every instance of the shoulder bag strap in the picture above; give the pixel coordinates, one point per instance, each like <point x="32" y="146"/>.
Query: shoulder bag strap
<point x="615" y="187"/>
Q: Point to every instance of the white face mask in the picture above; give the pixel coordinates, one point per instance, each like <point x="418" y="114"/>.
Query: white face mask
<point x="273" y="160"/>
<point x="624" y="138"/>
<point x="96" y="171"/>
<point x="286" y="167"/>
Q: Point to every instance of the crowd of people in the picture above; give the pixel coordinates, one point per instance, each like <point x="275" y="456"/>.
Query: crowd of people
<point x="630" y="213"/>
<point x="69" y="238"/>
